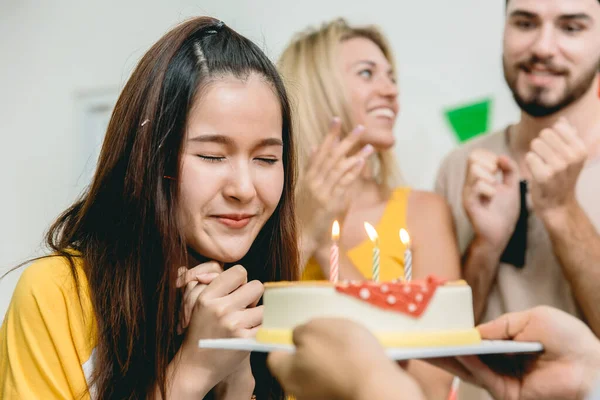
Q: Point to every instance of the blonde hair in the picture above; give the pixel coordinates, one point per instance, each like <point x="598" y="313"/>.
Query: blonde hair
<point x="311" y="74"/>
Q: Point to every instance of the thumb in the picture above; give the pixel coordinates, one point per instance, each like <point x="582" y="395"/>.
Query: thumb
<point x="510" y="170"/>
<point x="207" y="278"/>
<point x="280" y="365"/>
<point x="507" y="327"/>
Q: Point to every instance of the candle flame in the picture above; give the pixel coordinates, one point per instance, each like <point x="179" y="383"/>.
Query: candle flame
<point x="335" y="230"/>
<point x="371" y="232"/>
<point x="404" y="237"/>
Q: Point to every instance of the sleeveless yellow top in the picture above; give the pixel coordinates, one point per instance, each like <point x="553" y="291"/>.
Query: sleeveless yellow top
<point x="391" y="248"/>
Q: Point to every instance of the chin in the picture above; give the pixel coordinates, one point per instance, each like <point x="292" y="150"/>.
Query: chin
<point x="383" y="142"/>
<point x="380" y="137"/>
<point x="230" y="257"/>
<point x="218" y="252"/>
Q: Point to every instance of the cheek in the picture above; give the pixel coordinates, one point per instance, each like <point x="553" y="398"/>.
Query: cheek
<point x="578" y="55"/>
<point x="269" y="186"/>
<point x="198" y="186"/>
<point x="517" y="47"/>
<point x="358" y="99"/>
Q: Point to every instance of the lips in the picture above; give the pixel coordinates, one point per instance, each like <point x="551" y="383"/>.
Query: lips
<point x="541" y="76"/>
<point x="235" y="221"/>
<point x="542" y="68"/>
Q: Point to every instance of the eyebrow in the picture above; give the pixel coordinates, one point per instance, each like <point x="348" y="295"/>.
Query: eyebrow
<point x="222" y="139"/>
<point x="575" y="16"/>
<point x="370" y="63"/>
<point x="528" y="14"/>
<point x="522" y="13"/>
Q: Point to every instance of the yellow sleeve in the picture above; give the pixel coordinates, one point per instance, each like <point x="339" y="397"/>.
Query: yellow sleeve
<point x="46" y="336"/>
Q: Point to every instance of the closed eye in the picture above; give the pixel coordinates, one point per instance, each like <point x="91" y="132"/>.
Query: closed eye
<point x="572" y="27"/>
<point x="269" y="161"/>
<point x="213" y="159"/>
<point x="524" y="24"/>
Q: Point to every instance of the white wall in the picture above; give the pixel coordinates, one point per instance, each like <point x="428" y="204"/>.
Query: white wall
<point x="53" y="53"/>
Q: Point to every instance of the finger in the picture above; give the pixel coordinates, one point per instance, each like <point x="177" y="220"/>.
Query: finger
<point x="242" y="320"/>
<point x="252" y="317"/>
<point x="207" y="278"/>
<point x="190" y="285"/>
<point x="351" y="176"/>
<point x="485" y="158"/>
<point x="546" y="153"/>
<point x="245" y="296"/>
<point x="475" y="166"/>
<point x="280" y="364"/>
<point x="326" y="147"/>
<point x="507" y="327"/>
<point x="575" y="147"/>
<point x="554" y="141"/>
<point x="348" y="165"/>
<point x="299" y="333"/>
<point x="188" y="304"/>
<point x="343" y="149"/>
<point x="540" y="171"/>
<point x="226" y="283"/>
<point x="193" y="273"/>
<point x="509" y="169"/>
<point x="247" y="333"/>
<point x="481" y="173"/>
<point x="567" y="132"/>
<point x="484" y="189"/>
<point x="181" y="281"/>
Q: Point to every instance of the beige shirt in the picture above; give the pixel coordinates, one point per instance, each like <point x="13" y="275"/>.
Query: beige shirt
<point x="541" y="280"/>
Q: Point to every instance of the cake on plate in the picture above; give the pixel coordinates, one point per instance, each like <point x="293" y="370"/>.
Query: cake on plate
<point x="426" y="313"/>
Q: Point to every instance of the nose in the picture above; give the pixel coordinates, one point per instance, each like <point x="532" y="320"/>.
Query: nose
<point x="240" y="184"/>
<point x="544" y="46"/>
<point x="387" y="87"/>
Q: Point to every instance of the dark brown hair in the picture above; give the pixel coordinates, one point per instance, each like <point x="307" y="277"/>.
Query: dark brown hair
<point x="125" y="228"/>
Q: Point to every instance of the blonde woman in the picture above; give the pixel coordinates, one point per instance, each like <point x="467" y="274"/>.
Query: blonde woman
<point x="342" y="84"/>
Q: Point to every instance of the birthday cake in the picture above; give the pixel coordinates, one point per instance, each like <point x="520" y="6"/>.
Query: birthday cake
<point x="426" y="313"/>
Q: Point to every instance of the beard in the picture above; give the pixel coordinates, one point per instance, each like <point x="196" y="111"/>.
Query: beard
<point x="534" y="104"/>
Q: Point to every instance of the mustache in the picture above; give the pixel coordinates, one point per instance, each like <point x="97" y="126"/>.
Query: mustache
<point x="545" y="63"/>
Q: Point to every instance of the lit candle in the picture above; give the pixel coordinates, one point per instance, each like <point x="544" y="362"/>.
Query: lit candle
<point x="375" y="239"/>
<point x="334" y="257"/>
<point x="405" y="239"/>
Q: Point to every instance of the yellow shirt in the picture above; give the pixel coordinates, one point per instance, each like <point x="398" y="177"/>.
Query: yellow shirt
<point x="390" y="247"/>
<point x="48" y="335"/>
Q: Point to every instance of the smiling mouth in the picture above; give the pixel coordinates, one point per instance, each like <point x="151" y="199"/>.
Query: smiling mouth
<point x="541" y="76"/>
<point x="383" y="112"/>
<point x="234" y="221"/>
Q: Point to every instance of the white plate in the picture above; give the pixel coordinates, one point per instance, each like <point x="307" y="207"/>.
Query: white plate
<point x="485" y="347"/>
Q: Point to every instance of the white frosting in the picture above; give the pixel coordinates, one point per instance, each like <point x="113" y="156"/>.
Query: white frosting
<point x="451" y="308"/>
